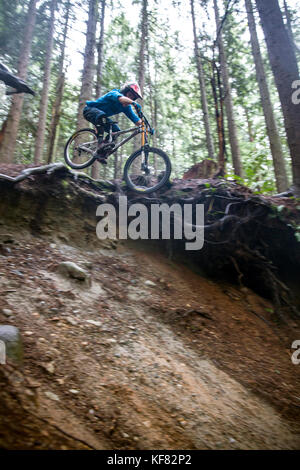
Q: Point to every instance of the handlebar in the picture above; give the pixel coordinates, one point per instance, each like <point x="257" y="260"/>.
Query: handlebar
<point x="141" y="115"/>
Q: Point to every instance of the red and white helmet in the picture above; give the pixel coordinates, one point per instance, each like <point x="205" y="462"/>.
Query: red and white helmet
<point x="133" y="87"/>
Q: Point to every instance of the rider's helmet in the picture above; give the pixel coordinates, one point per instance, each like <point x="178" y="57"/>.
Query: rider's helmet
<point x="133" y="87"/>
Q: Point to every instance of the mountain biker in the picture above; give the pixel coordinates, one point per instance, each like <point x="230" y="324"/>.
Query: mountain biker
<point x="114" y="102"/>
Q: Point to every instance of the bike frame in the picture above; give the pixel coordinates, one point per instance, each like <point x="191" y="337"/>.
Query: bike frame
<point x="142" y="129"/>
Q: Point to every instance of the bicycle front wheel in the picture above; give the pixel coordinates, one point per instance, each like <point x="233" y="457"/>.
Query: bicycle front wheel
<point x="81" y="148"/>
<point x="147" y="170"/>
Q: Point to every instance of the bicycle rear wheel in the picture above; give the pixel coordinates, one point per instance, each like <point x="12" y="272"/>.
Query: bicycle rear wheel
<point x="147" y="170"/>
<point x="81" y="148"/>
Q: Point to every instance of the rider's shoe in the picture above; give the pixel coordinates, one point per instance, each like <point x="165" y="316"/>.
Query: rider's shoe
<point x="102" y="146"/>
<point x="102" y="159"/>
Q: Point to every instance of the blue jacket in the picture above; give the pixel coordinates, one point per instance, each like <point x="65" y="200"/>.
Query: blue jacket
<point x="110" y="104"/>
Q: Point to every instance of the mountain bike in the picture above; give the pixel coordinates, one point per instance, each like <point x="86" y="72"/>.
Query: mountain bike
<point x="145" y="171"/>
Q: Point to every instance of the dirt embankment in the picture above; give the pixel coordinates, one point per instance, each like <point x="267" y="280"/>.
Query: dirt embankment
<point x="146" y="354"/>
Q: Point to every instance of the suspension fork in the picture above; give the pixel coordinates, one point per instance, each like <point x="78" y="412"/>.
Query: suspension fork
<point x="144" y="144"/>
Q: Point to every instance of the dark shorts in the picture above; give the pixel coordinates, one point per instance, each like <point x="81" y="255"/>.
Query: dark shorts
<point x="94" y="115"/>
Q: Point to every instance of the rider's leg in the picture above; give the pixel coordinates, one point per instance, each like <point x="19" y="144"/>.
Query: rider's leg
<point x="105" y="143"/>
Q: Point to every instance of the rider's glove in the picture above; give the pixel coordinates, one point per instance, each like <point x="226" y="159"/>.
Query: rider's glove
<point x="137" y="106"/>
<point x="152" y="131"/>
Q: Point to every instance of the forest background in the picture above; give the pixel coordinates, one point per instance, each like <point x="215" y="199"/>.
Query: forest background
<point x="179" y="51"/>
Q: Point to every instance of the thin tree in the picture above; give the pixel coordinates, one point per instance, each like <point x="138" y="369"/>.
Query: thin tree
<point x="232" y="129"/>
<point x="100" y="51"/>
<point x="96" y="165"/>
<point x="219" y="113"/>
<point x="142" y="62"/>
<point x="209" y="139"/>
<point x="40" y="135"/>
<point x="289" y="25"/>
<point x="143" y="42"/>
<point x="285" y="69"/>
<point x="8" y="143"/>
<point x="88" y="64"/>
<point x="56" y="110"/>
<point x="272" y="131"/>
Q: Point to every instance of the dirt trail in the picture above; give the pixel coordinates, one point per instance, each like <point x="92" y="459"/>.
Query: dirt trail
<point x="150" y="355"/>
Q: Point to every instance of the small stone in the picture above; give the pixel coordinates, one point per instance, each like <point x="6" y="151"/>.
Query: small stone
<point x="231" y="440"/>
<point x="10" y="335"/>
<point x="70" y="269"/>
<point x="112" y="341"/>
<point x="124" y="434"/>
<point x="28" y="333"/>
<point x="7" y="312"/>
<point x="136" y="439"/>
<point x="52" y="245"/>
<point x="75" y="392"/>
<point x="49" y="367"/>
<point x="150" y="283"/>
<point x="72" y="321"/>
<point x="52" y="396"/>
<point x="18" y="273"/>
<point x="91" y="412"/>
<point x="94" y="322"/>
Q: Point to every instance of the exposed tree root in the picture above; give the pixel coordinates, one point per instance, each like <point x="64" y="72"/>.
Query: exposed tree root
<point x="247" y="237"/>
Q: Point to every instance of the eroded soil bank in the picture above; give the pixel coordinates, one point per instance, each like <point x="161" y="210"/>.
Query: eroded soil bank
<point x="148" y="354"/>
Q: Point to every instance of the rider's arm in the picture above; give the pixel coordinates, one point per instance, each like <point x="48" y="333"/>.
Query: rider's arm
<point x="130" y="114"/>
<point x="125" y="101"/>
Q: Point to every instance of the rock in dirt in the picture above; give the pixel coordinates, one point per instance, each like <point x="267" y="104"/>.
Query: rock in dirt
<point x="150" y="283"/>
<point x="70" y="269"/>
<point x="52" y="396"/>
<point x="10" y="335"/>
<point x="7" y="312"/>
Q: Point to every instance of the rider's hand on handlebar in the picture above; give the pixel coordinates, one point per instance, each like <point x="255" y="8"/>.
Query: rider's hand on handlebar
<point x="137" y="106"/>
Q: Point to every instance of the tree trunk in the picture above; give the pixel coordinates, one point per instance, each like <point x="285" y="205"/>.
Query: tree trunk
<point x="59" y="90"/>
<point x="40" y="136"/>
<point x="289" y="26"/>
<point x="209" y="139"/>
<point x="143" y="41"/>
<point x="100" y="51"/>
<point x="285" y="69"/>
<point x="141" y="65"/>
<point x="8" y="143"/>
<point x="152" y="92"/>
<point x="88" y="65"/>
<point x="233" y="137"/>
<point x="96" y="165"/>
<point x="218" y="100"/>
<point x="272" y="131"/>
<point x="249" y="124"/>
